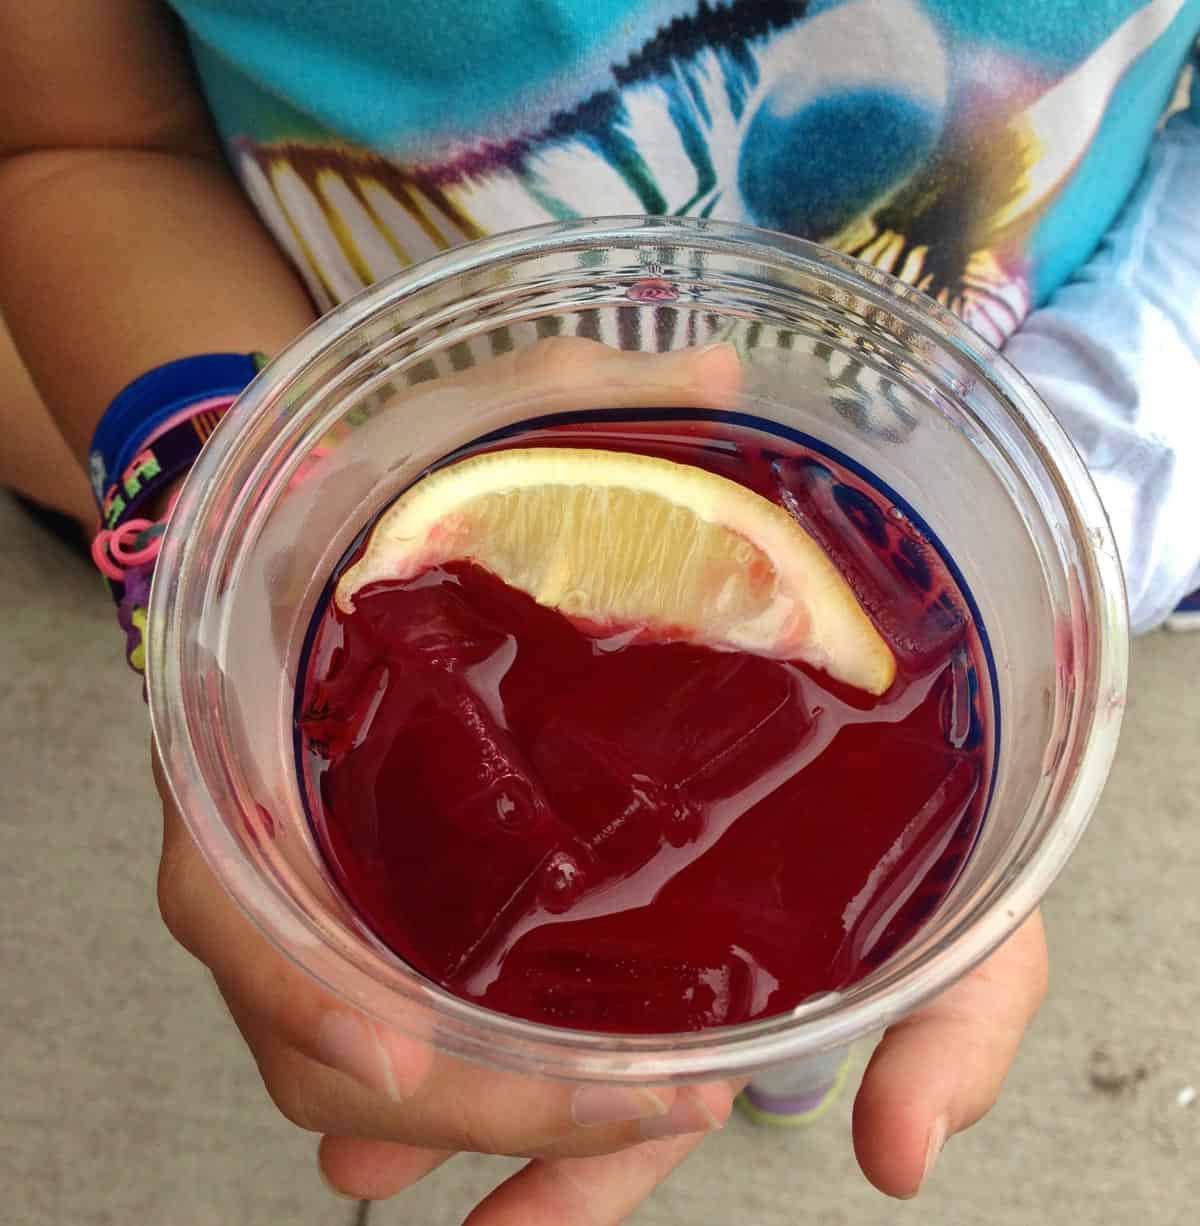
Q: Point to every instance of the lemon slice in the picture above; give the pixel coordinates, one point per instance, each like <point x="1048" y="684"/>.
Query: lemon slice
<point x="614" y="540"/>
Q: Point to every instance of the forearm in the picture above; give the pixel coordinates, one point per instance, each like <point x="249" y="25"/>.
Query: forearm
<point x="113" y="262"/>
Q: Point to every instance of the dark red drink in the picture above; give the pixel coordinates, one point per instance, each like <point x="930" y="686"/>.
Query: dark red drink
<point x="642" y="837"/>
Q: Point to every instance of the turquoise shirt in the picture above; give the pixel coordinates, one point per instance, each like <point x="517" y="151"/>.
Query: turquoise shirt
<point x="980" y="149"/>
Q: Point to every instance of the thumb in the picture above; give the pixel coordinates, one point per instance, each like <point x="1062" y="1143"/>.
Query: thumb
<point x="936" y="1073"/>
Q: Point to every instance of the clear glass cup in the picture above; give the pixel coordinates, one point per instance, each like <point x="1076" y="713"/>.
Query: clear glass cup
<point x="373" y="394"/>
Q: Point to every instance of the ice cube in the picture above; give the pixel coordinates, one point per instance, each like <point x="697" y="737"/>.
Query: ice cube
<point x="437" y="628"/>
<point x="886" y="910"/>
<point x="435" y="623"/>
<point x="452" y="821"/>
<point x="895" y="573"/>
<point x="602" y="977"/>
<point x="958" y="701"/>
<point x="629" y="774"/>
<point x="618" y="811"/>
<point x="338" y="717"/>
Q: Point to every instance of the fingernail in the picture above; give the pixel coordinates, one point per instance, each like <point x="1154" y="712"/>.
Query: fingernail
<point x="704" y="350"/>
<point x="349" y="1043"/>
<point x="594" y="1105"/>
<point x="937" y="1139"/>
<point x="331" y="1189"/>
<point x="689" y="1113"/>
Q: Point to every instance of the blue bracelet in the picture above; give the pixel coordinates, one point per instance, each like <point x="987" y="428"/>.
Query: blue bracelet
<point x="154" y="399"/>
<point x="150" y="435"/>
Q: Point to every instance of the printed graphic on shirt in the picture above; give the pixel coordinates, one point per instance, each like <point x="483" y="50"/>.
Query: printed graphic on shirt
<point x="976" y="154"/>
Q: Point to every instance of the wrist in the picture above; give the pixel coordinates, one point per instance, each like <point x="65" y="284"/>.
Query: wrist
<point x="154" y="429"/>
<point x="144" y="446"/>
<point x="158" y="506"/>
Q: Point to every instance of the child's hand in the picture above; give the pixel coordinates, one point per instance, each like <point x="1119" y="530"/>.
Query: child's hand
<point x="391" y="1109"/>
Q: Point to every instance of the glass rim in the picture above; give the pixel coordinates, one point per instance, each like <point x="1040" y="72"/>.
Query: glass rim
<point x="475" y="1032"/>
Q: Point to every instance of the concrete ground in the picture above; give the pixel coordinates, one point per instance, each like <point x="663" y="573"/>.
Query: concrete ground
<point x="126" y="1095"/>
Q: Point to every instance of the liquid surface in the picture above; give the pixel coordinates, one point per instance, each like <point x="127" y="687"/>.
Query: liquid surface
<point x="640" y="837"/>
